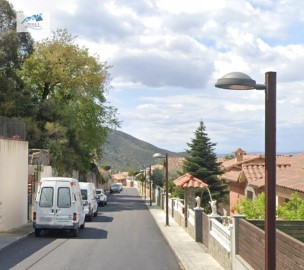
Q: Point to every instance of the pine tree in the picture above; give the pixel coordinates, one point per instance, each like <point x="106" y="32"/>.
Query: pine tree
<point x="201" y="162"/>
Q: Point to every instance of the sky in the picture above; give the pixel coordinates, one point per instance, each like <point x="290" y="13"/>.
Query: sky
<point x="166" y="56"/>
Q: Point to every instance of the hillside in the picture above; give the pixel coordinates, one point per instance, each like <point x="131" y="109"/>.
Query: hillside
<point x="123" y="152"/>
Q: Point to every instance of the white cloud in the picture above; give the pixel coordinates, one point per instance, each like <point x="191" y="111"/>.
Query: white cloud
<point x="167" y="55"/>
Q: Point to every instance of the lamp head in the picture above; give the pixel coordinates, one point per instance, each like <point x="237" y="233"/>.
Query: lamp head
<point x="237" y="81"/>
<point x="158" y="155"/>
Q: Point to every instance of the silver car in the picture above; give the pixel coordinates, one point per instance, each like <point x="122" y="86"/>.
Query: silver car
<point x="101" y="197"/>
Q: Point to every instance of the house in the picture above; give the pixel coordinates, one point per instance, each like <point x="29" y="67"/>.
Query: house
<point x="120" y="178"/>
<point x="245" y="175"/>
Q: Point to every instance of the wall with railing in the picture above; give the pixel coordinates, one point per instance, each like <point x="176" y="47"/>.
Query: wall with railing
<point x="203" y="228"/>
<point x="220" y="242"/>
<point x="237" y="243"/>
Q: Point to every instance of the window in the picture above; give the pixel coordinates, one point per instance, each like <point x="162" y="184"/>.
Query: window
<point x="64" y="197"/>
<point x="46" y="197"/>
<point x="250" y="195"/>
<point x="84" y="194"/>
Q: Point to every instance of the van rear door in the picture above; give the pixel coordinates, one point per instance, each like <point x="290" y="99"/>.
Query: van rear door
<point x="55" y="204"/>
<point x="63" y="208"/>
<point x="45" y="211"/>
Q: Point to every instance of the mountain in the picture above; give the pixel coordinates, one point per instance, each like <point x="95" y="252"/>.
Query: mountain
<point x="123" y="152"/>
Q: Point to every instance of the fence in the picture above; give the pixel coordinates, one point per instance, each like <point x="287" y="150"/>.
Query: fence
<point x="240" y="244"/>
<point x="251" y="245"/>
<point x="11" y="129"/>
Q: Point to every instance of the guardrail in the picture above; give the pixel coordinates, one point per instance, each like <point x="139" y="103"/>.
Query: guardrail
<point x="11" y="129"/>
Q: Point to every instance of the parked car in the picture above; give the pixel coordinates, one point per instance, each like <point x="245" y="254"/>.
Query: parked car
<point x="88" y="193"/>
<point x="120" y="185"/>
<point x="101" y="197"/>
<point x="114" y="188"/>
<point x="58" y="206"/>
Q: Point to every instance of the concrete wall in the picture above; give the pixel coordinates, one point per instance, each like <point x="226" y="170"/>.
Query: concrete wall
<point x="13" y="183"/>
<point x="219" y="253"/>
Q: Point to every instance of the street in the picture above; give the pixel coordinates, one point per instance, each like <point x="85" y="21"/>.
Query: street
<point x="124" y="235"/>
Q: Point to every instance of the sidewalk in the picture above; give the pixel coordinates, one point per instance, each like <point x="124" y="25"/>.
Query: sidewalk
<point x="15" y="235"/>
<point x="191" y="254"/>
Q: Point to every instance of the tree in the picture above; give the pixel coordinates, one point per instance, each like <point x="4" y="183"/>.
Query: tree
<point x="131" y="172"/>
<point x="255" y="209"/>
<point x="157" y="177"/>
<point x="14" y="48"/>
<point x="252" y="209"/>
<point x="228" y="157"/>
<point x="293" y="209"/>
<point x="68" y="103"/>
<point x="201" y="162"/>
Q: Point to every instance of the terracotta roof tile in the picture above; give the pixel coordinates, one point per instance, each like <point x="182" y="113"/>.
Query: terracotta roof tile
<point x="246" y="158"/>
<point x="255" y="174"/>
<point x="288" y="175"/>
<point x="292" y="176"/>
<point x="231" y="176"/>
<point x="187" y="181"/>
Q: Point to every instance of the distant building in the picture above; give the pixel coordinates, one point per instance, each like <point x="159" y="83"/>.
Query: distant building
<point x="120" y="178"/>
<point x="245" y="175"/>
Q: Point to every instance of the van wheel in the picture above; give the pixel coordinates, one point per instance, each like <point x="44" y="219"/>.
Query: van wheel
<point x="96" y="213"/>
<point x="76" y="232"/>
<point x="37" y="232"/>
<point x="82" y="226"/>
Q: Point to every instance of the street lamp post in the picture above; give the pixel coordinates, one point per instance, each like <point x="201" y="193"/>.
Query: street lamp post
<point x="158" y="155"/>
<point x="145" y="181"/>
<point x="241" y="81"/>
<point x="150" y="185"/>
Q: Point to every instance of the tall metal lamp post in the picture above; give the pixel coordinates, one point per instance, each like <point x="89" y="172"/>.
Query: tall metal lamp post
<point x="241" y="81"/>
<point x="150" y="185"/>
<point x="145" y="173"/>
<point x="158" y="155"/>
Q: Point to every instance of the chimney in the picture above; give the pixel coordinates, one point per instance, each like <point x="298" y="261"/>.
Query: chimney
<point x="239" y="155"/>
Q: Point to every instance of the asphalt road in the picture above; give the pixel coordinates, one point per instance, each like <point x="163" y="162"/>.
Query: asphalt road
<point x="124" y="235"/>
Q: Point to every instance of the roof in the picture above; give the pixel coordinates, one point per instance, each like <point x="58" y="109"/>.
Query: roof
<point x="189" y="181"/>
<point x="292" y="177"/>
<point x="232" y="176"/>
<point x="255" y="174"/>
<point x="227" y="164"/>
<point x="289" y="172"/>
<point x="120" y="176"/>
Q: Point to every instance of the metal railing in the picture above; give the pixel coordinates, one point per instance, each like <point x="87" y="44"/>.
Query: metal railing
<point x="11" y="129"/>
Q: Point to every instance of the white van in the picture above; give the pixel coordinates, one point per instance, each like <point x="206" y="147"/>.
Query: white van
<point x="89" y="199"/>
<point x="58" y="205"/>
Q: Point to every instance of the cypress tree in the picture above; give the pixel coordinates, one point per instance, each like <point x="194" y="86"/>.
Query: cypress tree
<point x="201" y="162"/>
